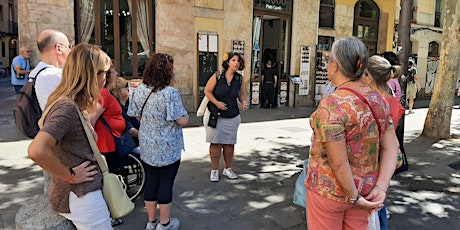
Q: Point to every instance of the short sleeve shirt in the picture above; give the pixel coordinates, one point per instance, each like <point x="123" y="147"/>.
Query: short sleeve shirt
<point x="161" y="139"/>
<point x="24" y="64"/>
<point x="46" y="82"/>
<point x="342" y="116"/>
<point x="73" y="148"/>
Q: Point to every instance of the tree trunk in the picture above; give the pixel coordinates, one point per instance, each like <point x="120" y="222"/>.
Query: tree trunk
<point x="405" y="18"/>
<point x="438" y="119"/>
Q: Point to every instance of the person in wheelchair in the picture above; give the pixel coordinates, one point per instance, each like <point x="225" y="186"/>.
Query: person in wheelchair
<point x="121" y="91"/>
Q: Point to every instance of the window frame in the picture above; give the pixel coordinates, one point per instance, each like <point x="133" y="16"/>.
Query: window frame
<point x="116" y="32"/>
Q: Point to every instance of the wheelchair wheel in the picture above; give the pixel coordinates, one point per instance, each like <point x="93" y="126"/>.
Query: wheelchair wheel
<point x="134" y="176"/>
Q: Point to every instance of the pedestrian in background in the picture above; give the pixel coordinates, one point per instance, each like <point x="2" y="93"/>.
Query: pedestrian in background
<point x="413" y="85"/>
<point x="159" y="107"/>
<point x="223" y="90"/>
<point x="394" y="81"/>
<point x="109" y="110"/>
<point x="351" y="162"/>
<point x="61" y="147"/>
<point x="377" y="75"/>
<point x="20" y="68"/>
<point x="269" y="83"/>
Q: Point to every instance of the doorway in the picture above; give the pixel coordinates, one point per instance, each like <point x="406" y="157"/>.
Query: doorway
<point x="271" y="42"/>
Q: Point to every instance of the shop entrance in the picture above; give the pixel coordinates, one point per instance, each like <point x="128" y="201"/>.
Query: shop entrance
<point x="271" y="35"/>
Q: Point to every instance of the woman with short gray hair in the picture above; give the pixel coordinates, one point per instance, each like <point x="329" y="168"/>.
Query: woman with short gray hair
<point x="353" y="153"/>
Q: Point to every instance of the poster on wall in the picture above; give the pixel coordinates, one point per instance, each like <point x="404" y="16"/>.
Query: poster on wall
<point x="238" y="47"/>
<point x="255" y="89"/>
<point x="283" y="92"/>
<point x="305" y="54"/>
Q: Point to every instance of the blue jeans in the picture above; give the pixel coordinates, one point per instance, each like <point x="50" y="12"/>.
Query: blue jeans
<point x="383" y="217"/>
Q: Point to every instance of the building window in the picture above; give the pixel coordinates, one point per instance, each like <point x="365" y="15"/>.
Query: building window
<point x="3" y="49"/>
<point x="326" y="13"/>
<point x="433" y="49"/>
<point x="437" y="14"/>
<point x="366" y="24"/>
<point x="123" y="28"/>
<point x="1" y="13"/>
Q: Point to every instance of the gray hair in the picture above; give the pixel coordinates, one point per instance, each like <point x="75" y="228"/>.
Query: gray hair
<point x="351" y="56"/>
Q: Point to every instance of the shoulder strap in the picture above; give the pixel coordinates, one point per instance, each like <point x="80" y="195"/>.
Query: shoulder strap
<point x="145" y="102"/>
<point x="47" y="109"/>
<point x="36" y="75"/>
<point x="361" y="97"/>
<point x="92" y="142"/>
<point x="105" y="123"/>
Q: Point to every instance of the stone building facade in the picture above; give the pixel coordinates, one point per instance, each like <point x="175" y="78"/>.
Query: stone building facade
<point x="197" y="33"/>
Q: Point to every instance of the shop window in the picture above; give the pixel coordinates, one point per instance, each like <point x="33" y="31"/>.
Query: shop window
<point x="123" y="28"/>
<point x="366" y="24"/>
<point x="326" y="13"/>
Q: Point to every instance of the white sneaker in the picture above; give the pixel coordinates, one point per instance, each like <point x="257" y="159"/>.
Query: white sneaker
<point x="214" y="177"/>
<point x="174" y="224"/>
<point x="229" y="173"/>
<point x="152" y="225"/>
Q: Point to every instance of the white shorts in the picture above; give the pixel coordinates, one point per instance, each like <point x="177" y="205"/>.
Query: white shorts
<point x="89" y="211"/>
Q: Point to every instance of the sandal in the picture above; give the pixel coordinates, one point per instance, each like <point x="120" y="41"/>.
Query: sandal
<point x="116" y="222"/>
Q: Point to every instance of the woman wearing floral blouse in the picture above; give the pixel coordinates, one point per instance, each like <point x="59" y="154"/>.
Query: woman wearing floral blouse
<point x="351" y="162"/>
<point x="161" y="141"/>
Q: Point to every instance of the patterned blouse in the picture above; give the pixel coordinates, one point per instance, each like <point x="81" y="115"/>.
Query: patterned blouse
<point x="160" y="137"/>
<point x="343" y="116"/>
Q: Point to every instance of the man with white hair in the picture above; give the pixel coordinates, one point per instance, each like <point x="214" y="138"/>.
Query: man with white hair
<point x="20" y="68"/>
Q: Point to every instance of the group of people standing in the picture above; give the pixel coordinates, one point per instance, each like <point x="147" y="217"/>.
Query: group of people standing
<point x="82" y="79"/>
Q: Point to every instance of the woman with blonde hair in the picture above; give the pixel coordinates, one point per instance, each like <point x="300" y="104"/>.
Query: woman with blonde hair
<point x="62" y="148"/>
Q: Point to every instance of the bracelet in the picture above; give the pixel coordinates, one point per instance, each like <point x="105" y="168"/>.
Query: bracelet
<point x="353" y="201"/>
<point x="72" y="176"/>
<point x="381" y="188"/>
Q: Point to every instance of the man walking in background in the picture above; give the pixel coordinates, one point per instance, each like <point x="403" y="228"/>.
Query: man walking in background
<point x="20" y="68"/>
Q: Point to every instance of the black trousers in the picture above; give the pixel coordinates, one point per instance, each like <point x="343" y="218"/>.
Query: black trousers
<point x="269" y="94"/>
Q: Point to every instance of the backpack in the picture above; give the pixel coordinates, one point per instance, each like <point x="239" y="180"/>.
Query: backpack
<point x="27" y="110"/>
<point x="412" y="71"/>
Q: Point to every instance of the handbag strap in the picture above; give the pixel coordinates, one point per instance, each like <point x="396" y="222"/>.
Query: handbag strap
<point x="145" y="102"/>
<point x="106" y="124"/>
<point x="92" y="142"/>
<point x="361" y="97"/>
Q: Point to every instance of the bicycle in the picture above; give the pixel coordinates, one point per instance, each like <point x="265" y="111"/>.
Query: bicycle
<point x="133" y="173"/>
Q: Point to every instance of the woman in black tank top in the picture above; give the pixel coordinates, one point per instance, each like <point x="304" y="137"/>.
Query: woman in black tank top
<point x="223" y="90"/>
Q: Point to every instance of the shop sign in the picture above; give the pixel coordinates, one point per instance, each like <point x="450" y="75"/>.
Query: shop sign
<point x="283" y="5"/>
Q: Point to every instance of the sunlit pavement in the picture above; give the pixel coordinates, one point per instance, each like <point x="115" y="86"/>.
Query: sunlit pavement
<point x="425" y="197"/>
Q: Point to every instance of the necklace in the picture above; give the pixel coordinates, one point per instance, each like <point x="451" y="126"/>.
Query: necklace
<point x="343" y="83"/>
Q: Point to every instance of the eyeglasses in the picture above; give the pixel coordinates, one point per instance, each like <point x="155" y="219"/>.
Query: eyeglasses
<point x="328" y="58"/>
<point x="69" y="46"/>
<point x="28" y="51"/>
<point x="103" y="71"/>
